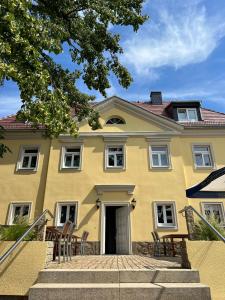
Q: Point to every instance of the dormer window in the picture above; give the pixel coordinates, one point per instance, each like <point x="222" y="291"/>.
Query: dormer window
<point x="185" y="111"/>
<point x="115" y="120"/>
<point x="187" y="114"/>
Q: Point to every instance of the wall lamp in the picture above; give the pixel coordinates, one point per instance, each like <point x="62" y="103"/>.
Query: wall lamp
<point x="98" y="203"/>
<point x="133" y="203"/>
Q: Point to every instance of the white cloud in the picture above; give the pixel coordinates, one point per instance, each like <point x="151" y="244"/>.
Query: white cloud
<point x="112" y="90"/>
<point x="178" y="34"/>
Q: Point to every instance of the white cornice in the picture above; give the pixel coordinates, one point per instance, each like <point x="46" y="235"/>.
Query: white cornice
<point x="70" y="139"/>
<point x="129" y="188"/>
<point x="203" y="132"/>
<point x="158" y="139"/>
<point x="130" y="134"/>
<point x="23" y="135"/>
<point x="115" y="139"/>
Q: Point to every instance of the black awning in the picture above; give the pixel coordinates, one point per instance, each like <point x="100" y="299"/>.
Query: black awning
<point x="198" y="192"/>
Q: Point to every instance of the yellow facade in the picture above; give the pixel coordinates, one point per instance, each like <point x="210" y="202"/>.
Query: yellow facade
<point x="205" y="256"/>
<point x="50" y="184"/>
<point x="20" y="271"/>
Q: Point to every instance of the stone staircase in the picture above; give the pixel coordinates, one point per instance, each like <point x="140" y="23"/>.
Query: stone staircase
<point x="101" y="284"/>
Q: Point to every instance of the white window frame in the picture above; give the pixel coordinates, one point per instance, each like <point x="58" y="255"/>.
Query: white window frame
<point x="174" y="225"/>
<point x="107" y="154"/>
<point x="12" y="211"/>
<point x="63" y="152"/>
<point x="187" y="114"/>
<point x="117" y="117"/>
<point x="58" y="212"/>
<point x="214" y="203"/>
<point x="210" y="153"/>
<point x="152" y="152"/>
<point x="22" y="154"/>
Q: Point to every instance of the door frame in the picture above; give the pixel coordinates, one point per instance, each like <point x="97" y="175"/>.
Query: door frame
<point x="103" y="216"/>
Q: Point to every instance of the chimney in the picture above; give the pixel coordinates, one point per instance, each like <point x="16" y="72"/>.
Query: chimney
<point x="156" y="98"/>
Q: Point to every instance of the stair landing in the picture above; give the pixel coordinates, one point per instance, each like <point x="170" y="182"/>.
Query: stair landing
<point x="118" y="262"/>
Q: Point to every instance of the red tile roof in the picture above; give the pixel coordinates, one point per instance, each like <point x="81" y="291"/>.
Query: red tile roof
<point x="210" y="118"/>
<point x="10" y="123"/>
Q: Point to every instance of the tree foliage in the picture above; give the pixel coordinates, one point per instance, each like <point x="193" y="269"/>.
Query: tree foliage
<point x="3" y="148"/>
<point x="33" y="32"/>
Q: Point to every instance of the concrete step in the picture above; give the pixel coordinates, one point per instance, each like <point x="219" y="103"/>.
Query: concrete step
<point x="119" y="291"/>
<point x="116" y="276"/>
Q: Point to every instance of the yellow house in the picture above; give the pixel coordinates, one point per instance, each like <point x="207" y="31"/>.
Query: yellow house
<point x="120" y="182"/>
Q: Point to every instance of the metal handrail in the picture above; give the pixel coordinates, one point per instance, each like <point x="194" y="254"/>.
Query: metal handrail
<point x="18" y="241"/>
<point x="204" y="220"/>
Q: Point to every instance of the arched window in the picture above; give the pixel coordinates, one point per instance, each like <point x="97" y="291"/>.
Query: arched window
<point x="115" y="120"/>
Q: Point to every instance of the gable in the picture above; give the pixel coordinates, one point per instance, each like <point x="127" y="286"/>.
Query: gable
<point x="136" y="118"/>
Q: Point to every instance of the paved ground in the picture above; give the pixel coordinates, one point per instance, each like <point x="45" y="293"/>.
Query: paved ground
<point x="117" y="262"/>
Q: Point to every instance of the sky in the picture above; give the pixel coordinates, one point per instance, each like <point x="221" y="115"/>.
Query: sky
<point x="180" y="51"/>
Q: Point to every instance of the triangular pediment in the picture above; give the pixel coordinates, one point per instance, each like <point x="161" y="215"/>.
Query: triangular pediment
<point x="136" y="118"/>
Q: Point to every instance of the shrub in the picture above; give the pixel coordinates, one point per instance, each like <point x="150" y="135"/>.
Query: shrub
<point x="13" y="232"/>
<point x="203" y="232"/>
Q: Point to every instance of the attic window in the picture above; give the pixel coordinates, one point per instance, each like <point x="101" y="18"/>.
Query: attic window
<point x="187" y="114"/>
<point x="115" y="120"/>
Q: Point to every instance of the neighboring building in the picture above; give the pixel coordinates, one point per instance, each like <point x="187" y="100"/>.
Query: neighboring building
<point x="136" y="169"/>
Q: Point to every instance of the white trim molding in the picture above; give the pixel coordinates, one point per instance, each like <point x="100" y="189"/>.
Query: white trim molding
<point x="174" y="215"/>
<point x="103" y="223"/>
<point x="67" y="203"/>
<point x="115" y="124"/>
<point x="202" y="206"/>
<point x="12" y="210"/>
<point x="211" y="153"/>
<point x="101" y="188"/>
<point x="106" y="154"/>
<point x="65" y="138"/>
<point x="159" y="139"/>
<point x="115" y="139"/>
<point x="159" y="143"/>
<point x="63" y="152"/>
<point x="21" y="156"/>
<point x="145" y="134"/>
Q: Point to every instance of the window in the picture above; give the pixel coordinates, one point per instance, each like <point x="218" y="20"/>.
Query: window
<point x="115" y="156"/>
<point x="115" y="120"/>
<point x="187" y="114"/>
<point x="159" y="156"/>
<point x="29" y="158"/>
<point x="67" y="211"/>
<point x="214" y="210"/>
<point x="71" y="157"/>
<point x="18" y="211"/>
<point x="165" y="215"/>
<point x="202" y="156"/>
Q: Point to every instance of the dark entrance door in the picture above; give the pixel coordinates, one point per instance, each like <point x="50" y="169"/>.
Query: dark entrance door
<point x="110" y="230"/>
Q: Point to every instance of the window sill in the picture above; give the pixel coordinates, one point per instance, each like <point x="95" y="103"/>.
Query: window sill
<point x="111" y="168"/>
<point x="188" y="121"/>
<point x="70" y="168"/>
<point x="160" y="167"/>
<point x="168" y="168"/>
<point x="26" y="170"/>
<point x="167" y="227"/>
<point x="205" y="167"/>
<point x="61" y="227"/>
